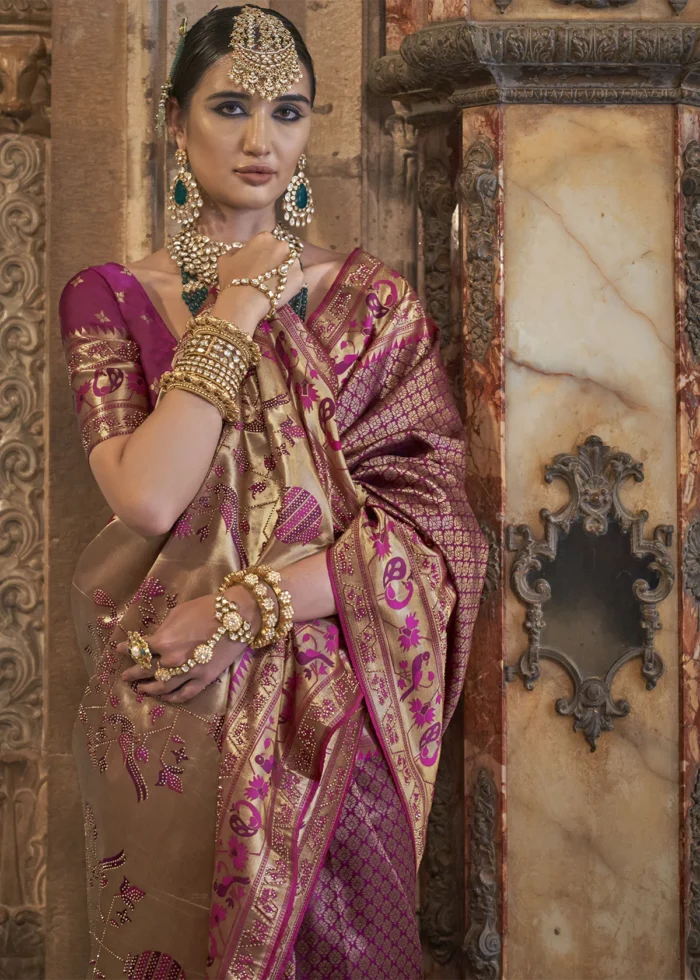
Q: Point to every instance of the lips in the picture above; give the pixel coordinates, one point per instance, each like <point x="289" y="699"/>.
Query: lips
<point x="255" y="169"/>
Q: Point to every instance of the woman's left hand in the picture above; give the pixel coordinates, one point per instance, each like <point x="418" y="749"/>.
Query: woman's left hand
<point x="185" y="627"/>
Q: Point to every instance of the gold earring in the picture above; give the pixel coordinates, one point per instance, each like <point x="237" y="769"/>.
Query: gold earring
<point x="184" y="200"/>
<point x="298" y="200"/>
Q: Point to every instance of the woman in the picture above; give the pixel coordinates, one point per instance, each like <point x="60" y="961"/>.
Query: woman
<point x="257" y="757"/>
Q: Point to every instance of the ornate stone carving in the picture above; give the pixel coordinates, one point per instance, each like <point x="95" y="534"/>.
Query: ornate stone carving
<point x="691" y="560"/>
<point x="36" y="13"/>
<point x="595" y="4"/>
<point x="493" y="568"/>
<point x="692" y="943"/>
<point x="443" y="67"/>
<point x="478" y="188"/>
<point x="436" y="198"/>
<point x="690" y="188"/>
<point x="482" y="943"/>
<point x="22" y="301"/>
<point x="502" y="5"/>
<point x="442" y="912"/>
<point x="678" y="5"/>
<point x="594" y="477"/>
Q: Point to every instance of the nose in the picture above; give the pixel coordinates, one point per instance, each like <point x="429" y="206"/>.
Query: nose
<point x="256" y="140"/>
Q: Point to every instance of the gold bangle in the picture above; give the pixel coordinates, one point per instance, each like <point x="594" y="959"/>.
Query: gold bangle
<point x="199" y="387"/>
<point x="209" y="323"/>
<point x="238" y="629"/>
<point x="201" y="654"/>
<point x="273" y="626"/>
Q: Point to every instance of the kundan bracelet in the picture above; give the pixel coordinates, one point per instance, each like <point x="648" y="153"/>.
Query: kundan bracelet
<point x="274" y="626"/>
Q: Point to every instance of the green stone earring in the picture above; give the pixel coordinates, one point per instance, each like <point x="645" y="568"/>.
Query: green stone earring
<point x="298" y="201"/>
<point x="184" y="200"/>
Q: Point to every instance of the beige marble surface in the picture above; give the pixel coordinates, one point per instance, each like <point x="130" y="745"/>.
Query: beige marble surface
<point x="593" y="839"/>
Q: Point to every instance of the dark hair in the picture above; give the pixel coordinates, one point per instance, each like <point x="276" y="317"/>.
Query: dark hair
<point x="210" y="39"/>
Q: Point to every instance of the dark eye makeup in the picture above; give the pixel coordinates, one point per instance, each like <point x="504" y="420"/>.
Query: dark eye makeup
<point x="284" y="113"/>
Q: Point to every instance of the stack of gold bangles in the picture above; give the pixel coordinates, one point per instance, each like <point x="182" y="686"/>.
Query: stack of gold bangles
<point x="211" y="361"/>
<point x="276" y="620"/>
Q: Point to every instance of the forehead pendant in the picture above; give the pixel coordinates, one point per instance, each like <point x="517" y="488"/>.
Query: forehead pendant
<point x="265" y="61"/>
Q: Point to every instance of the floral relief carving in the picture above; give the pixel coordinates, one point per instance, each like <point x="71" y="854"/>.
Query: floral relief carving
<point x="478" y="187"/>
<point x="22" y="307"/>
<point x="437" y="201"/>
<point x="690" y="189"/>
<point x="456" y="64"/>
<point x="482" y="943"/>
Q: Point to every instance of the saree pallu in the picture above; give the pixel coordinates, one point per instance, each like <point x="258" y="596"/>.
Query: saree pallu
<point x="208" y="823"/>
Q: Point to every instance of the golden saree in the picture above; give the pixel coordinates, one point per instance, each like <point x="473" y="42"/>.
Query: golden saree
<point x="207" y="823"/>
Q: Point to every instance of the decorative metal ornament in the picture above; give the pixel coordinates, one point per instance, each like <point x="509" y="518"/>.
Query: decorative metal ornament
<point x="265" y="60"/>
<point x="298" y="200"/>
<point x="605" y="608"/>
<point x="184" y="199"/>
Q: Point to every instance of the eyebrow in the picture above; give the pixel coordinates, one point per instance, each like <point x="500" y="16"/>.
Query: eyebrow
<point x="245" y="95"/>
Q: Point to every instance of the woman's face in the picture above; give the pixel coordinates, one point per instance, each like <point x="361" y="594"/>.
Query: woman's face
<point x="243" y="150"/>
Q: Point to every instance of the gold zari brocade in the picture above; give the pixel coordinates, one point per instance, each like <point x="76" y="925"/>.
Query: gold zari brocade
<point x="207" y="822"/>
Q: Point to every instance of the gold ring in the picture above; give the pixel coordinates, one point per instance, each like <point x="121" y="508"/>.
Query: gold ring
<point x="139" y="650"/>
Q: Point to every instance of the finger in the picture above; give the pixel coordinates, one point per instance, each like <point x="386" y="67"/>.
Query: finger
<point x="157" y="689"/>
<point x="187" y="691"/>
<point x="137" y="673"/>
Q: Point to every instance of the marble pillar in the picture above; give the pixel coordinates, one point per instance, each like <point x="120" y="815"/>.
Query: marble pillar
<point x="578" y="234"/>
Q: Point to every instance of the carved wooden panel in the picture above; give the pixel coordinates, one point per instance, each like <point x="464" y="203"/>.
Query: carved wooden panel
<point x="22" y="802"/>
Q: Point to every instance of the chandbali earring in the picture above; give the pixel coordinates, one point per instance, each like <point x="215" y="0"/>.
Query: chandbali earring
<point x="298" y="201"/>
<point x="184" y="200"/>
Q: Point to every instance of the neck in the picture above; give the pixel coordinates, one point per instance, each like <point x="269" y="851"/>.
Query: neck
<point x="231" y="225"/>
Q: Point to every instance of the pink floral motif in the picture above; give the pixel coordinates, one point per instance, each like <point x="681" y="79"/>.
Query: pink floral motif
<point x="137" y="383"/>
<point x="141" y="752"/>
<point x="331" y="637"/>
<point x="238" y="851"/>
<point x="423" y="712"/>
<point x="307" y="393"/>
<point x="408" y="634"/>
<point x="257" y="788"/>
<point x="382" y="544"/>
<point x="170" y="776"/>
<point x="218" y="914"/>
<point x="157" y="712"/>
<point x="80" y="394"/>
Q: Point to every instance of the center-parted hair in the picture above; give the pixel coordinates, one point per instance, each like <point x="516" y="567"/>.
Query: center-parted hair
<point x="210" y="39"/>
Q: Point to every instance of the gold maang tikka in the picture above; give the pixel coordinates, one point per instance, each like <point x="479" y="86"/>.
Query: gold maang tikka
<point x="265" y="59"/>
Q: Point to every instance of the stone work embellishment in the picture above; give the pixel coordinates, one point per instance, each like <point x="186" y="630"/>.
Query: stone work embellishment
<point x="692" y="946"/>
<point x="478" y="188"/>
<point x="690" y="188"/>
<point x="436" y="198"/>
<point x="691" y="560"/>
<point x="482" y="943"/>
<point x="601" y="581"/>
<point x="446" y="67"/>
<point x="441" y="913"/>
<point x="595" y="4"/>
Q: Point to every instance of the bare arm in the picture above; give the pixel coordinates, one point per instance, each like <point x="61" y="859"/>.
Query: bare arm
<point x="149" y="477"/>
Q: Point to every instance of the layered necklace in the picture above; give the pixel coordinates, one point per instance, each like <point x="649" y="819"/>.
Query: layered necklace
<point x="197" y="258"/>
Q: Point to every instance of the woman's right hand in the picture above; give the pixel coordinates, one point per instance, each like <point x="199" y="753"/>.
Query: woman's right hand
<point x="246" y="306"/>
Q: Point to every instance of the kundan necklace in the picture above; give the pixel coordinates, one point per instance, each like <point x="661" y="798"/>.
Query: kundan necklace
<point x="197" y="257"/>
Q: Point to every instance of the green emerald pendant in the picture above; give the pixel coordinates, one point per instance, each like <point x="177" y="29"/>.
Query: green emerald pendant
<point x="180" y="194"/>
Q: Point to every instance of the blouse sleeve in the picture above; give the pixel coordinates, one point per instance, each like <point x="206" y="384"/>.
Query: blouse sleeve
<point x="104" y="367"/>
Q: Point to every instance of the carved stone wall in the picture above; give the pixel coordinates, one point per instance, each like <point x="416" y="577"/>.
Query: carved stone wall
<point x="24" y="67"/>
